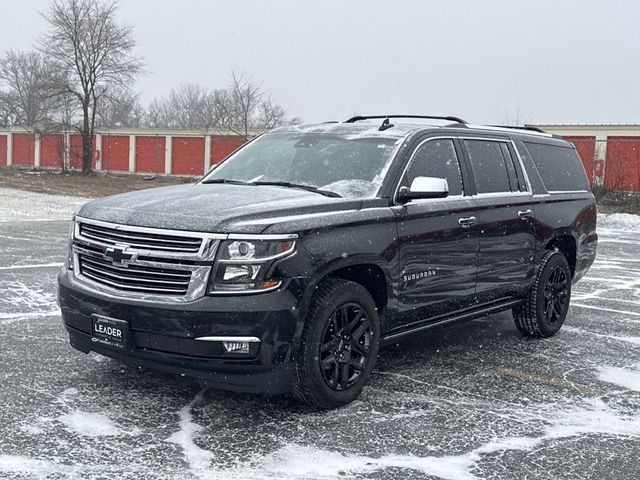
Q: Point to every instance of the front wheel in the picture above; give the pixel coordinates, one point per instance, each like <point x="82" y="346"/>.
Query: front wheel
<point x="545" y="307"/>
<point x="339" y="345"/>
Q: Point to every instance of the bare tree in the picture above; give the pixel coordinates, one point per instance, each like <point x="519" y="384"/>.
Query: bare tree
<point x="515" y="117"/>
<point x="239" y="107"/>
<point x="240" y="103"/>
<point x="188" y="106"/>
<point x="243" y="105"/>
<point x="120" y="107"/>
<point x="86" y="42"/>
<point x="221" y="108"/>
<point x="29" y="78"/>
<point x="270" y="114"/>
<point x="8" y="109"/>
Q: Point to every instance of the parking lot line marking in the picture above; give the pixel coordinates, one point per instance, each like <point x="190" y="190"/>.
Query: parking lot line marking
<point x="26" y="315"/>
<point x="625" y="312"/>
<point x="40" y="265"/>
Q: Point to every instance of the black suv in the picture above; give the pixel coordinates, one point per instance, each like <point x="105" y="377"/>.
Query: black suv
<point x="289" y="264"/>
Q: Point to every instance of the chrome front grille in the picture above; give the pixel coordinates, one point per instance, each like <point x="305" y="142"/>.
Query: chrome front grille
<point x="145" y="280"/>
<point x="143" y="263"/>
<point x="141" y="240"/>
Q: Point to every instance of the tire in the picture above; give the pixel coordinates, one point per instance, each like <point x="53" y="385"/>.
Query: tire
<point x="546" y="304"/>
<point x="336" y="357"/>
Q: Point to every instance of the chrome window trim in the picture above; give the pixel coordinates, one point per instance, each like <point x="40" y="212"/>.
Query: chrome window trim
<point x="568" y="191"/>
<point x="418" y="201"/>
<point x="501" y="194"/>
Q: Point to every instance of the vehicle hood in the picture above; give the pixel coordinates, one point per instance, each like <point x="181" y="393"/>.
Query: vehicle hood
<point x="214" y="208"/>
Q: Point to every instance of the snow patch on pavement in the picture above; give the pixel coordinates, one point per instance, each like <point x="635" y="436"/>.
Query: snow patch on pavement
<point x="24" y="302"/>
<point x="198" y="459"/>
<point x="20" y="205"/>
<point x="625" y="222"/>
<point x="301" y="462"/>
<point x="623" y="377"/>
<point x="32" y="429"/>
<point x="21" y="295"/>
<point x="89" y="424"/>
<point x="17" y="464"/>
<point x="69" y="392"/>
<point x="628" y="339"/>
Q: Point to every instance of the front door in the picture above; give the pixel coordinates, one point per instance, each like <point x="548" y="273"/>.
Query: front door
<point x="437" y="239"/>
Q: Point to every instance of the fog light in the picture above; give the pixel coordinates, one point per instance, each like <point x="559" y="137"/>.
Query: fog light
<point x="236" y="347"/>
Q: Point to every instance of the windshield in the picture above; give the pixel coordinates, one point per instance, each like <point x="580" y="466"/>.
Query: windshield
<point x="348" y="165"/>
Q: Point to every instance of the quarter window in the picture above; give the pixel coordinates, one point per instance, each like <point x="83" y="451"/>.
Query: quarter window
<point x="492" y="166"/>
<point x="560" y="167"/>
<point x="436" y="158"/>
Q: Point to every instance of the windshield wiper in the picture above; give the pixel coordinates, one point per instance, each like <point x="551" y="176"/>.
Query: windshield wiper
<point x="225" y="180"/>
<point x="309" y="188"/>
<point x="326" y="193"/>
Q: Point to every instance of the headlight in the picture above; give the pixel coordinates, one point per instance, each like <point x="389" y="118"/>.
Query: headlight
<point x="245" y="265"/>
<point x="72" y="229"/>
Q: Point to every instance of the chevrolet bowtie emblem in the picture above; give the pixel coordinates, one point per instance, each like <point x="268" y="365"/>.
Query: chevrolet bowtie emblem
<point x="120" y="255"/>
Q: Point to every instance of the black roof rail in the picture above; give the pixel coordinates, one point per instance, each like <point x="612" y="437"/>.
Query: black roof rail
<point x="358" y="118"/>
<point x="520" y="127"/>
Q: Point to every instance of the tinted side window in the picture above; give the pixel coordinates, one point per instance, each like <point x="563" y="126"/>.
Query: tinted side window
<point x="489" y="166"/>
<point x="560" y="167"/>
<point x="436" y="158"/>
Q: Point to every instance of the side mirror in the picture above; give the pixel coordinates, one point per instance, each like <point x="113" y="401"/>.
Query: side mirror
<point x="424" y="187"/>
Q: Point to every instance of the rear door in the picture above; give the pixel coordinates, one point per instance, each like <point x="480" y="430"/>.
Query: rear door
<point x="506" y="218"/>
<point x="436" y="261"/>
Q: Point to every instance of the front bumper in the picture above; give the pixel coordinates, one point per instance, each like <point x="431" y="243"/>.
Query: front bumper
<point x="163" y="335"/>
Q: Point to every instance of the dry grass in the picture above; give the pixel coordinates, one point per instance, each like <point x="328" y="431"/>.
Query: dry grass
<point x="93" y="185"/>
<point x="616" y="201"/>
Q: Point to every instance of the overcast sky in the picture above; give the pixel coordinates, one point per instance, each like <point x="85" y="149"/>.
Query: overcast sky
<point x="553" y="61"/>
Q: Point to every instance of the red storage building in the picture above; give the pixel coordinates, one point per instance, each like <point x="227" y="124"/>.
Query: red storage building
<point x="610" y="153"/>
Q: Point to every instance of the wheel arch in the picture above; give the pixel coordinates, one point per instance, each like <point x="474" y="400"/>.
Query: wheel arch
<point x="567" y="245"/>
<point x="369" y="271"/>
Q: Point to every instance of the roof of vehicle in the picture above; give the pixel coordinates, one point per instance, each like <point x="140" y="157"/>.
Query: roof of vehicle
<point x="395" y="126"/>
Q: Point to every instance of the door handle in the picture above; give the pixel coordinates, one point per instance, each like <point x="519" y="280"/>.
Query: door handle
<point x="524" y="214"/>
<point x="466" y="222"/>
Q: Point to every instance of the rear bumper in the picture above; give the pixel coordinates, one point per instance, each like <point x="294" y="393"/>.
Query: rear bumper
<point x="163" y="336"/>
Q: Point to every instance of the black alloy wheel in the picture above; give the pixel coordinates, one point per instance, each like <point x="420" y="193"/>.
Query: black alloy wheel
<point x="546" y="304"/>
<point x="556" y="295"/>
<point x="339" y="344"/>
<point x="346" y="346"/>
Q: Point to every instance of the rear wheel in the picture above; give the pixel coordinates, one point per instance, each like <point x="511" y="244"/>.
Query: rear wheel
<point x="546" y="305"/>
<point x="339" y="345"/>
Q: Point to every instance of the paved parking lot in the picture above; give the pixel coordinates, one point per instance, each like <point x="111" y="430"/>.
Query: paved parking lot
<point x="475" y="400"/>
